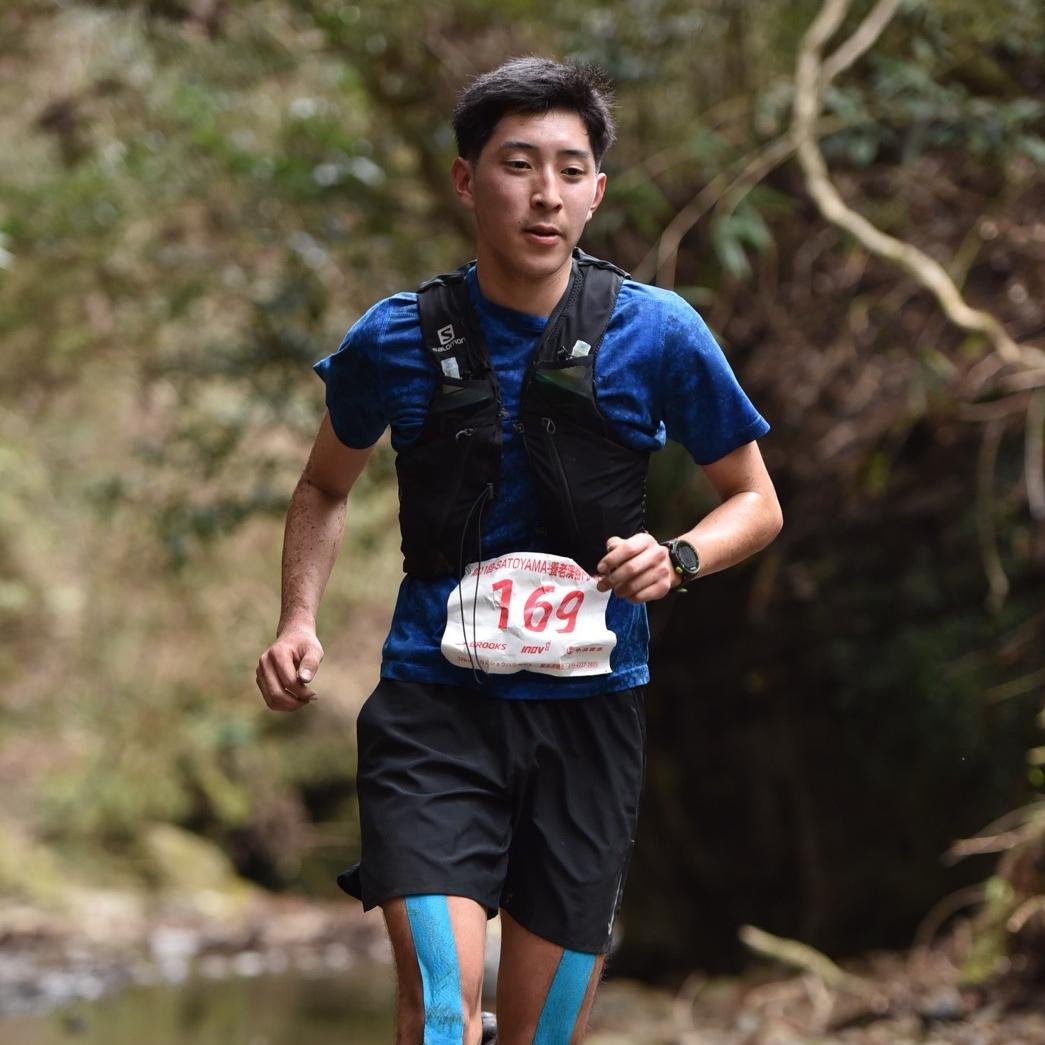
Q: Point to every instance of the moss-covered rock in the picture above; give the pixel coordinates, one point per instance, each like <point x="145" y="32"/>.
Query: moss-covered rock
<point x="181" y="862"/>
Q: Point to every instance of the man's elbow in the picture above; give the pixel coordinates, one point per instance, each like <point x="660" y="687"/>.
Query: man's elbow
<point x="773" y="518"/>
<point x="317" y="486"/>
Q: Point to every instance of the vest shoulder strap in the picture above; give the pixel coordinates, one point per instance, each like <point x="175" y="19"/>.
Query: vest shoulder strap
<point x="577" y="326"/>
<point x="450" y="329"/>
<point x="589" y="259"/>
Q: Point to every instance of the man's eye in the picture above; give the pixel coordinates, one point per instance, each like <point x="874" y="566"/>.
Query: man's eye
<point x="518" y="165"/>
<point x="573" y="172"/>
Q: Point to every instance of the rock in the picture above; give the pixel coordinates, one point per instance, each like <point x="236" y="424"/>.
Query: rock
<point x="28" y="870"/>
<point x="173" y="943"/>
<point x="944" y="1005"/>
<point x="107" y="916"/>
<point x="194" y="879"/>
<point x="183" y="862"/>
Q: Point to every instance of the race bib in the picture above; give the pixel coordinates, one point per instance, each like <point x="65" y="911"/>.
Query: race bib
<point x="528" y="612"/>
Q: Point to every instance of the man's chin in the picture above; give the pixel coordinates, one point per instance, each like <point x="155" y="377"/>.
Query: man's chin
<point x="546" y="263"/>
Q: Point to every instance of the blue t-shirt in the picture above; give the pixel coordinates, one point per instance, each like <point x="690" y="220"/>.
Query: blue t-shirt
<point x="659" y="373"/>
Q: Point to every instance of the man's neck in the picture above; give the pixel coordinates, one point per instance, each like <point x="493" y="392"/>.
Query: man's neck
<point x="537" y="297"/>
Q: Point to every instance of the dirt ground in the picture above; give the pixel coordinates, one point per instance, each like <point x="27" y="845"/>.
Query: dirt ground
<point x="891" y="999"/>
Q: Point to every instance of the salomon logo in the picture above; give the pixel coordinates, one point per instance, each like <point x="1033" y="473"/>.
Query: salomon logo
<point x="447" y="340"/>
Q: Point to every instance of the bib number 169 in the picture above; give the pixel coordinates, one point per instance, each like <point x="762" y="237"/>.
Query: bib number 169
<point x="538" y="610"/>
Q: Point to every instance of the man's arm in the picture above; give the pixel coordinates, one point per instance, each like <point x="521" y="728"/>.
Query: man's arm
<point x="746" y="520"/>
<point x="315" y="522"/>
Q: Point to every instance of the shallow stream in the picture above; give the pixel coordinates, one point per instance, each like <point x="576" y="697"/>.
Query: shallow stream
<point x="291" y="1008"/>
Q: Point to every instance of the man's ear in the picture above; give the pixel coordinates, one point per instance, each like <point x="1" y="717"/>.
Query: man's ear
<point x="462" y="174"/>
<point x="600" y="191"/>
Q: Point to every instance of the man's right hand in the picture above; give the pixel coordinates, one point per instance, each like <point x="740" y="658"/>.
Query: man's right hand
<point x="287" y="667"/>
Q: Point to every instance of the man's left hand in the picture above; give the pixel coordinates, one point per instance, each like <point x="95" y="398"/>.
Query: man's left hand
<point x="637" y="568"/>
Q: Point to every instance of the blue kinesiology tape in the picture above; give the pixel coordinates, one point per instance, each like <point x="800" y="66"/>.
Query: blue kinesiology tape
<point x="440" y="979"/>
<point x="565" y="997"/>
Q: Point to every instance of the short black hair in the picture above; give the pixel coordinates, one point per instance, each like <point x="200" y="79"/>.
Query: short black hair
<point x="534" y="85"/>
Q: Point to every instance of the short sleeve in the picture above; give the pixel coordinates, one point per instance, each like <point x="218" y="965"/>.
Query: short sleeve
<point x="703" y="406"/>
<point x="352" y="375"/>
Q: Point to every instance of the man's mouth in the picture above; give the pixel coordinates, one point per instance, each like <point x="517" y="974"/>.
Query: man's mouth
<point x="543" y="233"/>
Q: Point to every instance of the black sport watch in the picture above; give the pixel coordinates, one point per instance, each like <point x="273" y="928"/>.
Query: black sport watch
<point x="684" y="559"/>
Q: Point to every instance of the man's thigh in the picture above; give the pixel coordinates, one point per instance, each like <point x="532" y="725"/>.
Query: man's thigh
<point x="575" y="822"/>
<point x="435" y="814"/>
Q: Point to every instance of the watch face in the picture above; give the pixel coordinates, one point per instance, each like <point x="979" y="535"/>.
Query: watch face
<point x="687" y="556"/>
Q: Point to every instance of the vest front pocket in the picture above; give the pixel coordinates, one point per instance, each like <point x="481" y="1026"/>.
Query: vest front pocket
<point x="443" y="478"/>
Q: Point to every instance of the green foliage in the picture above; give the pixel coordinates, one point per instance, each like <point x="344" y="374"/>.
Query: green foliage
<point x="731" y="233"/>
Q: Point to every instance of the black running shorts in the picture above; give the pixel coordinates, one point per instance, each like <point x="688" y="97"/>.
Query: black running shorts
<point x="529" y="805"/>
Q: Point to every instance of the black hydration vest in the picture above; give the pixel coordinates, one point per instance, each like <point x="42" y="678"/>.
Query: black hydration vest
<point x="589" y="485"/>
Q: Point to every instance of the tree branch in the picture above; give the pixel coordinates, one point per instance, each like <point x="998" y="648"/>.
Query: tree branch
<point x="997" y="581"/>
<point x="760" y="163"/>
<point x="1019" y="918"/>
<point x="809" y="81"/>
<point x="867" y="32"/>
<point x="1034" y="456"/>
<point x="665" y="254"/>
<point x="802" y="956"/>
<point x="755" y="166"/>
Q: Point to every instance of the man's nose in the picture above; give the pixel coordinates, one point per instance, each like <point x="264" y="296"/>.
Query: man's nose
<point x="546" y="190"/>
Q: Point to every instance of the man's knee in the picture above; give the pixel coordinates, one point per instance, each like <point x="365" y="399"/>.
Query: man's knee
<point x="560" y="1020"/>
<point x="544" y="993"/>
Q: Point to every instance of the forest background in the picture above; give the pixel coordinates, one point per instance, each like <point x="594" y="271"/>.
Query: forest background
<point x="198" y="197"/>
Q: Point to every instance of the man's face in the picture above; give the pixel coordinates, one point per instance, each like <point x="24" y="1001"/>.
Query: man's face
<point x="532" y="190"/>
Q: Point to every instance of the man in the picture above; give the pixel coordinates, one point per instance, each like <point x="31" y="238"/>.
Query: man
<point x="501" y="755"/>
